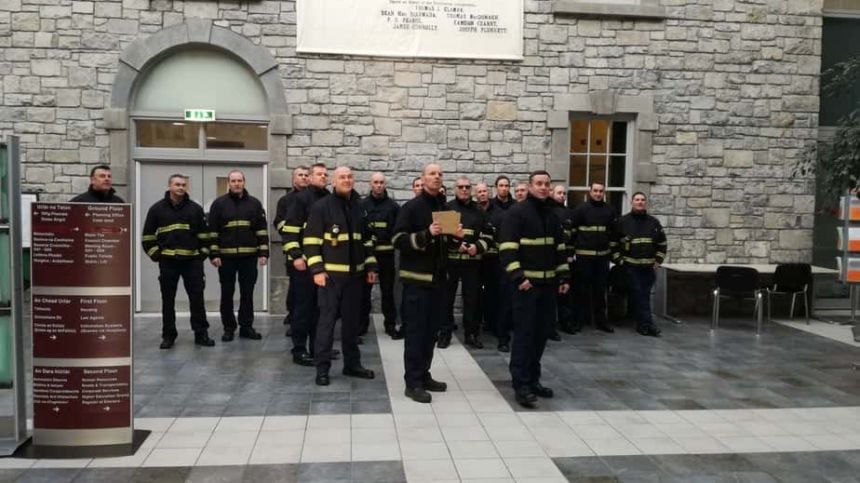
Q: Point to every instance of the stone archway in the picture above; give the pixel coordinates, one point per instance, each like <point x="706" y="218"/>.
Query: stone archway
<point x="147" y="51"/>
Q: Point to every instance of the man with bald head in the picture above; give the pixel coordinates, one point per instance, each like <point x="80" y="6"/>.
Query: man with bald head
<point x="339" y="247"/>
<point x="381" y="214"/>
<point x="423" y="265"/>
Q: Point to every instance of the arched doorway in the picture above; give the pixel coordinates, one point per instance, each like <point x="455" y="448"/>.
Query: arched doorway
<point x="200" y="68"/>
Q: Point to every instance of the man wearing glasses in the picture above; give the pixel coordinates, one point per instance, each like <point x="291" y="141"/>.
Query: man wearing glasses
<point x="464" y="258"/>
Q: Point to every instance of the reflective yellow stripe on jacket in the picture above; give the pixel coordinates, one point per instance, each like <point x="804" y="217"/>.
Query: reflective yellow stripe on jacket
<point x="173" y="227"/>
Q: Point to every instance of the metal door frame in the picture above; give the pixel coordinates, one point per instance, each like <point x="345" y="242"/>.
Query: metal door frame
<point x="199" y="156"/>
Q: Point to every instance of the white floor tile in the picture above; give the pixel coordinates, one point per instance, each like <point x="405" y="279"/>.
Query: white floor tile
<point x="701" y="445"/>
<point x="326" y="453"/>
<point x="700" y="416"/>
<point x="664" y="417"/>
<point x="745" y="444"/>
<point x="725" y="429"/>
<point x="376" y="451"/>
<point x="833" y="442"/>
<point x="788" y="443"/>
<point x="329" y="421"/>
<point x="763" y="428"/>
<point x="415" y="421"/>
<point x="612" y="447"/>
<point x="621" y="417"/>
<point x="425" y="435"/>
<point x="430" y="470"/>
<point x="177" y="439"/>
<point x="454" y="420"/>
<point x="532" y="468"/>
<point x="482" y="468"/>
<point x="239" y="423"/>
<point x="664" y="445"/>
<point x="274" y="455"/>
<point x="472" y="449"/>
<point x="279" y="423"/>
<point x="803" y="428"/>
<point x="152" y="439"/>
<point x="327" y="436"/>
<point x="16" y="463"/>
<point x="372" y="421"/>
<point x="294" y="437"/>
<point x="683" y="430"/>
<point x="236" y="439"/>
<point x="384" y="435"/>
<point x="153" y="424"/>
<point x="580" y="417"/>
<point x="424" y="451"/>
<point x="519" y="449"/>
<point x="596" y="431"/>
<point x="639" y="431"/>
<point x="173" y="457"/>
<point x="133" y="461"/>
<point x="62" y="463"/>
<point x="186" y="425"/>
<point x="560" y="479"/>
<point x="474" y="433"/>
<point x="224" y="455"/>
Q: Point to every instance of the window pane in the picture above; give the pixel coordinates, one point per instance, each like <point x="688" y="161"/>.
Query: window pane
<point x="619" y="138"/>
<point x="166" y="134"/>
<point x="597" y="170"/>
<point x="225" y="135"/>
<point x="575" y="198"/>
<point x="599" y="136"/>
<point x="617" y="168"/>
<point x="578" y="136"/>
<point x="616" y="200"/>
<point x="578" y="171"/>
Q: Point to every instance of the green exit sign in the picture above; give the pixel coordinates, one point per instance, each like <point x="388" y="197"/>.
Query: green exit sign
<point x="200" y="115"/>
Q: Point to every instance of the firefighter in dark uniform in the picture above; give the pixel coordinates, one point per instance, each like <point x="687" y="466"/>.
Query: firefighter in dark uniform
<point x="304" y="323"/>
<point x="423" y="261"/>
<point x="381" y="215"/>
<point x="339" y="247"/>
<point x="534" y="257"/>
<point x="489" y="263"/>
<point x="595" y="241"/>
<point x="101" y="188"/>
<point x="504" y="321"/>
<point x="175" y="236"/>
<point x="240" y="241"/>
<point x="565" y="301"/>
<point x="642" y="249"/>
<point x="464" y="265"/>
<point x="300" y="183"/>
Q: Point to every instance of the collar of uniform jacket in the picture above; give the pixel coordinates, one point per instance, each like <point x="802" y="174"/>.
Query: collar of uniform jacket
<point x="438" y="198"/>
<point x="380" y="199"/>
<point x="170" y="200"/>
<point x="239" y="196"/>
<point x="102" y="195"/>
<point x="353" y="196"/>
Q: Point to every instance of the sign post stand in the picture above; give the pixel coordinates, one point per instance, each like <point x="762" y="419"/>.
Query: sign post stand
<point x="82" y="330"/>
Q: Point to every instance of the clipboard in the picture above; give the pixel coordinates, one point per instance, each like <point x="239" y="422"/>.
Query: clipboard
<point x="449" y="220"/>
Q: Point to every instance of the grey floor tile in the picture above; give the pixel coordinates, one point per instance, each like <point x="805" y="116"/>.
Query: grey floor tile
<point x="49" y="475"/>
<point x="378" y="471"/>
<point x="216" y="474"/>
<point x="583" y="467"/>
<point x="161" y="475"/>
<point x="265" y="473"/>
<point x="105" y="475"/>
<point x="312" y="472"/>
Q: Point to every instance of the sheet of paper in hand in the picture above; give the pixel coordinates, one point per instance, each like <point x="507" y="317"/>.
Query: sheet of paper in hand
<point x="449" y="220"/>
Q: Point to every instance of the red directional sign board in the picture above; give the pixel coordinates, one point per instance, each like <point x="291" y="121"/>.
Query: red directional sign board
<point x="81" y="277"/>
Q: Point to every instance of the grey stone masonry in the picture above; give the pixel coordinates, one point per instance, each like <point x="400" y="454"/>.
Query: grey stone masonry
<point x="729" y="89"/>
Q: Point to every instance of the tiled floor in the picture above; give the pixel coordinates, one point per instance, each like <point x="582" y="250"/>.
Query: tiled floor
<point x="687" y="407"/>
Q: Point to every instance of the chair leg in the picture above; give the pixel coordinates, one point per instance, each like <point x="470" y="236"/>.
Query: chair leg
<point x="769" y="318"/>
<point x="793" y="299"/>
<point x="760" y="312"/>
<point x="806" y="304"/>
<point x="715" y="310"/>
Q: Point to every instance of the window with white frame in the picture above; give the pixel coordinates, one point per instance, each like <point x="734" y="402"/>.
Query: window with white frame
<point x="600" y="151"/>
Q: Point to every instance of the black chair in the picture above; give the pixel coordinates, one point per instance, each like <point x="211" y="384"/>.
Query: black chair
<point x="791" y="279"/>
<point x="739" y="283"/>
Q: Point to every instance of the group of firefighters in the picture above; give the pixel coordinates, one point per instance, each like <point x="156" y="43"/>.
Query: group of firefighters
<point x="526" y="265"/>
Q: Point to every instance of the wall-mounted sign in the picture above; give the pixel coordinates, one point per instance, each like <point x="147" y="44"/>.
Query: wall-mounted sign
<point x="82" y="325"/>
<point x="471" y="29"/>
<point x="200" y="115"/>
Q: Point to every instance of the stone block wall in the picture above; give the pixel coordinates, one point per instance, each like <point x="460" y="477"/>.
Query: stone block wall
<point x="734" y="85"/>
